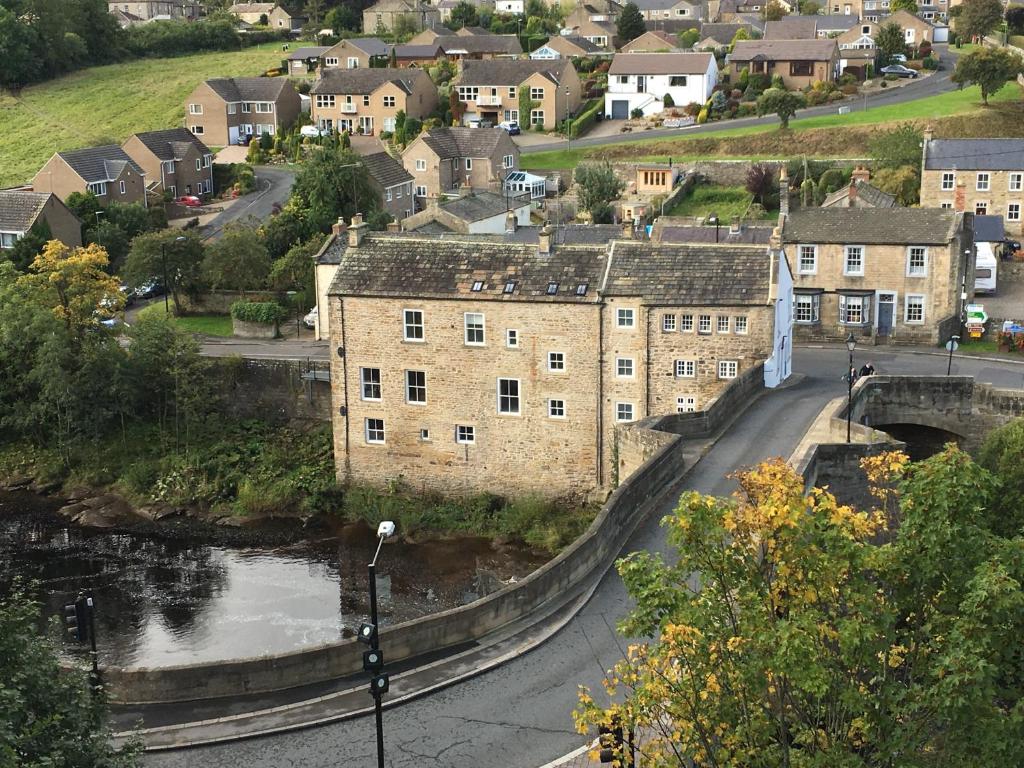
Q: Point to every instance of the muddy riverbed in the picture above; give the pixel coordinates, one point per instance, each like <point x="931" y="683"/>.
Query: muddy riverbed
<point x="177" y="592"/>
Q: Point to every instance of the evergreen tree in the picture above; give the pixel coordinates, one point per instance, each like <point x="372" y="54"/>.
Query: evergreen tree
<point x="630" y="24"/>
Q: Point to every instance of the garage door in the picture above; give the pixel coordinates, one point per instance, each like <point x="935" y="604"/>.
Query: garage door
<point x="232" y="134"/>
<point x="620" y="110"/>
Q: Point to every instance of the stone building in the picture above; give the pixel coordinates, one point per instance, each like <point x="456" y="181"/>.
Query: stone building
<point x="471" y="363"/>
<point x="893" y="274"/>
<point x="982" y="176"/>
<point x="443" y="159"/>
<point x="368" y="101"/>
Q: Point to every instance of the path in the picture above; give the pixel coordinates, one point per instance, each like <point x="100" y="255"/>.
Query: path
<point x="273" y="187"/>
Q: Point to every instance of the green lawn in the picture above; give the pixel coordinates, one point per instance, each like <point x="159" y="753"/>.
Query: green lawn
<point x="208" y="325"/>
<point x="941" y="105"/>
<point x="108" y="104"/>
<point x="727" y="203"/>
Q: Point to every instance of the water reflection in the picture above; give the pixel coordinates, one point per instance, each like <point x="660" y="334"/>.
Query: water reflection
<point x="175" y="600"/>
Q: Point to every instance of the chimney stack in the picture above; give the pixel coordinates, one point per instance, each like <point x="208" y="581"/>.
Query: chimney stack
<point x="783" y="193"/>
<point x="735" y="227"/>
<point x="544" y="240"/>
<point x="394" y="226"/>
<point x="861" y="173"/>
<point x="357" y="231"/>
<point x="338" y="228"/>
<point x="627" y="229"/>
<point x="960" y="196"/>
<point x="510" y="221"/>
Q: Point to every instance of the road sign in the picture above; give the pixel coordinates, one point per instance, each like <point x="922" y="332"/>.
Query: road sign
<point x="952" y="345"/>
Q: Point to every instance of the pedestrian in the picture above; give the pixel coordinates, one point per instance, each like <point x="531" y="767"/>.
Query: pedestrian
<point x="867" y="370"/>
<point x="851" y="375"/>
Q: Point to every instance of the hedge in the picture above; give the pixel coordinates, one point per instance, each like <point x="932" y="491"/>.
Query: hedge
<point x="264" y="312"/>
<point x="586" y="118"/>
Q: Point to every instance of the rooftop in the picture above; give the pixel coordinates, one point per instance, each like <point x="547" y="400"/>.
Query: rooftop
<point x="248" y="88"/>
<point x="385" y="170"/>
<point x="783" y="50"/>
<point x="510" y="71"/>
<point x="792" y="28"/>
<point x="975" y="154"/>
<point x="311" y="52"/>
<point x="872" y="226"/>
<point x="477" y="43"/>
<point x="867" y="191"/>
<point x="463" y="142"/>
<point x="366" y="81"/>
<point x="104" y="163"/>
<point x="661" y="63"/>
<point x="172" y="143"/>
<point x="19" y="210"/>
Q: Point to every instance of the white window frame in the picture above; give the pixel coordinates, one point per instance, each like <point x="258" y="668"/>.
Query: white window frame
<point x="1015" y="182"/>
<point x="556" y="362"/>
<point x="556" y="404"/>
<point x="536" y="94"/>
<point x="728" y="369"/>
<point x="466" y="327"/>
<point x="813" y="251"/>
<point x="625" y="317"/>
<point x="983" y="204"/>
<point x="686" y="323"/>
<point x="740" y="325"/>
<point x="719" y="324"/>
<point x="983" y="182"/>
<point x="421" y="190"/>
<point x="948" y="181"/>
<point x="407" y="325"/>
<point x="625" y="364"/>
<point x="686" y="404"/>
<point x="703" y="324"/>
<point x="915" y="299"/>
<point x="923" y="270"/>
<point x="465" y="434"/>
<point x="815" y="305"/>
<point x="195" y="109"/>
<point x="421" y="165"/>
<point x="122" y="187"/>
<point x="668" y="322"/>
<point x="518" y="397"/>
<point x="847" y="250"/>
<point x="508" y="161"/>
<point x="537" y="117"/>
<point x="367" y="429"/>
<point x="1013" y="211"/>
<point x="620" y="409"/>
<point x="844" y="310"/>
<point x="389" y="102"/>
<point x="409" y="387"/>
<point x="365" y="380"/>
<point x="324" y="100"/>
<point x="98" y="188"/>
<point x="512" y="338"/>
<point x="685" y="369"/>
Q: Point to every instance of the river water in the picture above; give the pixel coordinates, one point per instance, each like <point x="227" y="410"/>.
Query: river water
<point x="167" y="595"/>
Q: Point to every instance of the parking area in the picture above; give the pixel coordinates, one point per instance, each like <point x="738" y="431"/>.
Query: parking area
<point x="232" y="154"/>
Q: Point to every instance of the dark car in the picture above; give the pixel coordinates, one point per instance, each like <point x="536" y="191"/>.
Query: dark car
<point x="243" y="139"/>
<point x="900" y="71"/>
<point x="149" y="290"/>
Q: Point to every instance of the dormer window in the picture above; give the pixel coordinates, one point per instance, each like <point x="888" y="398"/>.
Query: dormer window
<point x="510" y="286"/>
<point x="552" y="289"/>
<point x="478" y="285"/>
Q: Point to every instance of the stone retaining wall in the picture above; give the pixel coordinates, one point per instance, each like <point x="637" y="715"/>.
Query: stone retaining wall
<point x="272" y="390"/>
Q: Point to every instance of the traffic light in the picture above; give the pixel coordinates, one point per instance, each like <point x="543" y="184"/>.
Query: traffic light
<point x="373" y="661"/>
<point x="611" y="740"/>
<point x="76" y="620"/>
<point x="379" y="685"/>
<point x="368" y="634"/>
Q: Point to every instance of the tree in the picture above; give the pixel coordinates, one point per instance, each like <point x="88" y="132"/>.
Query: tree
<point x="897" y="147"/>
<point x="332" y="183"/>
<point x="294" y="270"/>
<point x="890" y="41"/>
<point x="688" y="39"/>
<point x="988" y="68"/>
<point x="343" y="18"/>
<point x="313" y="9"/>
<point x="464" y="15"/>
<point x="1015" y="19"/>
<point x="809" y="8"/>
<point x="978" y="18"/>
<point x="902" y="182"/>
<point x="782" y="103"/>
<point x="761" y="180"/>
<point x="172" y="259"/>
<point x="630" y="24"/>
<point x="597" y="186"/>
<point x="1002" y="454"/>
<point x="238" y="260"/>
<point x="910" y="6"/>
<point x="29" y="245"/>
<point x="48" y="716"/>
<point x="774" y="11"/>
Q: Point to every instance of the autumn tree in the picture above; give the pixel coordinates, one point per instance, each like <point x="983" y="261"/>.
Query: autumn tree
<point x="903" y="183"/>
<point x="761" y="182"/>
<point x="782" y="103"/>
<point x="988" y="68"/>
<point x="774" y="11"/>
<point x="170" y="258"/>
<point x="910" y="6"/>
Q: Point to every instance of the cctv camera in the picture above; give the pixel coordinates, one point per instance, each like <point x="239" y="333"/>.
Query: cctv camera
<point x="386" y="529"/>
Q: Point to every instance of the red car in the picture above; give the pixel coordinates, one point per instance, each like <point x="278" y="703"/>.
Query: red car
<point x="190" y="201"/>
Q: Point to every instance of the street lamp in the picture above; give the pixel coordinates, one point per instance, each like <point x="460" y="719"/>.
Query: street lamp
<point x="373" y="659"/>
<point x="713" y="219"/>
<point x="163" y="259"/>
<point x="568" y="124"/>
<point x="851" y="344"/>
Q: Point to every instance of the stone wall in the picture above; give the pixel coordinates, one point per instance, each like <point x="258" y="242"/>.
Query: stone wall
<point x="719" y="412"/>
<point x="733" y="173"/>
<point x="273" y="390"/>
<point x="219" y="302"/>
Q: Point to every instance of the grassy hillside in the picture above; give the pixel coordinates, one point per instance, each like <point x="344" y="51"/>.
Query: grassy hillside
<point x="109" y="104"/>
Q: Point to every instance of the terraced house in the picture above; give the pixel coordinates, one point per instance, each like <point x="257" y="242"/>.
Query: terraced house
<point x="490" y="90"/>
<point x="367" y="101"/>
<point x="175" y="161"/>
<point x="471" y="363"/>
<point x="224" y="108"/>
<point x="108" y="172"/>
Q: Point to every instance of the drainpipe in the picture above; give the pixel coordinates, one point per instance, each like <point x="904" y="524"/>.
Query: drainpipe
<point x="647" y="367"/>
<point x="344" y="379"/>
<point x="600" y="393"/>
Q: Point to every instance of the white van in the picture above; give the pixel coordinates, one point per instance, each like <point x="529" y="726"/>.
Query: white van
<point x="985" y="269"/>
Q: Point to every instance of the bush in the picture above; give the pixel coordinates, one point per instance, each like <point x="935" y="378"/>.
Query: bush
<point x="702" y="116"/>
<point x="929" y="63"/>
<point x="263" y="312"/>
<point x="849" y="89"/>
<point x="890" y="78"/>
<point x="778" y="82"/>
<point x="692" y="109"/>
<point x="814" y="98"/>
<point x="668" y="101"/>
<point x="746" y="109"/>
<point x="883" y="84"/>
<point x="637" y="113"/>
<point x="836" y="96"/>
<point x="847" y="79"/>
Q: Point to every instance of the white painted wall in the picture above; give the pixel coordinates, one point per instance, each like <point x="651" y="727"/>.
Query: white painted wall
<point x="697" y="89"/>
<point x="779" y="366"/>
<point x="496" y="224"/>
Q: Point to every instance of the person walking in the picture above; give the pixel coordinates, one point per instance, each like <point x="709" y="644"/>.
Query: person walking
<point x="867" y="370"/>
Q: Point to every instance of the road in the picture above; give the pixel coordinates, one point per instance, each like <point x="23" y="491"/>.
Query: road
<point x="927" y="86"/>
<point x="270" y="349"/>
<point x="518" y="715"/>
<point x="273" y="187"/>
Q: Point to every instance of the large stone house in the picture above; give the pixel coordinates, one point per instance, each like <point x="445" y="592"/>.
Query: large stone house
<point x="151" y="10"/>
<point x="108" y="172"/>
<point x="890" y="273"/>
<point x="175" y="161"/>
<point x="20" y="211"/>
<point x="654" y="41"/>
<point x="981" y="176"/>
<point x="392" y="182"/>
<point x="472" y="213"/>
<point x="643" y="81"/>
<point x="355" y="53"/>
<point x="444" y="159"/>
<point x="462" y="47"/>
<point x="489" y="90"/>
<point x="799" y="63"/>
<point x="385" y="15"/>
<point x="367" y="101"/>
<point x="224" y="108"/>
<point x="469" y="364"/>
<point x="653" y="10"/>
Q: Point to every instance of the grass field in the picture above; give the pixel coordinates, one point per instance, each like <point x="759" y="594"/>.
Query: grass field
<point x="727" y="203"/>
<point x="967" y="101"/>
<point x="208" y="325"/>
<point x="108" y="104"/>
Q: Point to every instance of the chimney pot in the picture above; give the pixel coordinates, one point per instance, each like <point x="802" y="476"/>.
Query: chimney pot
<point x="357" y="231"/>
<point x="394" y="226"/>
<point x="861" y="173"/>
<point x="338" y="227"/>
<point x="544" y="240"/>
<point x="510" y="221"/>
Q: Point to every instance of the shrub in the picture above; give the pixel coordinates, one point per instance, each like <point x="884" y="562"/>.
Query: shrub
<point x="637" y="113"/>
<point x="266" y="142"/>
<point x="814" y="98"/>
<point x="890" y="78"/>
<point x="849" y="89"/>
<point x="883" y="84"/>
<point x="668" y="101"/>
<point x="778" y="82"/>
<point x="746" y="109"/>
<point x="835" y="96"/>
<point x="847" y="79"/>
<point x="929" y="63"/>
<point x="692" y="109"/>
<point x="702" y="116"/>
<point x="263" y="312"/>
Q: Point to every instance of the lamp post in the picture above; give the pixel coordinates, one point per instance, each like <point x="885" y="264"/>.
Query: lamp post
<point x="713" y="219"/>
<point x="851" y="344"/>
<point x="163" y="260"/>
<point x="373" y="659"/>
<point x="568" y="124"/>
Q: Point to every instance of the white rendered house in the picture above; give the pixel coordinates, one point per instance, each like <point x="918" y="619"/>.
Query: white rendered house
<point x="642" y="80"/>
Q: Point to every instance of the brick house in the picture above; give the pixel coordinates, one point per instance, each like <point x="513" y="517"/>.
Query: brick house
<point x="384" y="15"/>
<point x="283" y="21"/>
<point x="799" y="63"/>
<point x="656" y="10"/>
<point x="443" y="159"/>
<point x="475" y="364"/>
<point x="430" y="34"/>
<point x="915" y="30"/>
<point x="477" y="47"/>
<point x="367" y="100"/>
<point x="175" y="159"/>
<point x="392" y="182"/>
<point x="108" y="172"/>
<point x="981" y="176"/>
<point x="653" y="41"/>
<point x="355" y="53"/>
<point x="890" y="273"/>
<point x="490" y="90"/>
<point x="253" y="13"/>
<point x="567" y="46"/>
<point x="20" y="211"/>
<point x="220" y="110"/>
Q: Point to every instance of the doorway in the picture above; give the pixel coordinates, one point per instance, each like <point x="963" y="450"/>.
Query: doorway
<point x="886" y="312"/>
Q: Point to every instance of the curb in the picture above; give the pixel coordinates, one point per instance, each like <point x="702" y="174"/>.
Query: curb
<point x="925" y="353"/>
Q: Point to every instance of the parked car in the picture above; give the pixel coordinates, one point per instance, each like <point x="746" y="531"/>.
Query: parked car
<point x="477" y="122"/>
<point x="190" y="201"/>
<point x="899" y="58"/>
<point x="149" y="289"/>
<point x="243" y="139"/>
<point x="128" y="294"/>
<point x="900" y="71"/>
<point x="511" y="127"/>
<point x="310" y="319"/>
<point x="314" y="131"/>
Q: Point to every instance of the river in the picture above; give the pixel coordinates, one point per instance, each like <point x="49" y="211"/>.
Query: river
<point x="175" y="594"/>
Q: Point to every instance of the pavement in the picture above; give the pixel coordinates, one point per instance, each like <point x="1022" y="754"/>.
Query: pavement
<point x="518" y="714"/>
<point x="917" y="89"/>
<point x="266" y="349"/>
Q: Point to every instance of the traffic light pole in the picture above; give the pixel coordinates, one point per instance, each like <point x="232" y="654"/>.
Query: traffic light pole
<point x="375" y="646"/>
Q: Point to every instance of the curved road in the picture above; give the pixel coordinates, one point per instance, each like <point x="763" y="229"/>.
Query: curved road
<point x="518" y="715"/>
<point x="926" y="86"/>
<point x="273" y="187"/>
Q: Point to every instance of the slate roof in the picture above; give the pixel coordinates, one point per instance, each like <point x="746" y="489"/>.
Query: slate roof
<point x="866" y="191"/>
<point x="479" y="206"/>
<point x="722" y="33"/>
<point x="975" y="154"/>
<point x="580" y="42"/>
<point x="792" y="28"/>
<point x="417" y="51"/>
<point x="656" y="39"/>
<point x="660" y="5"/>
<point x="252" y="8"/>
<point x="365" y="81"/>
<point x="19" y="210"/>
<point x="248" y="88"/>
<point x="872" y="226"/>
<point x="671" y="26"/>
<point x="172" y="143"/>
<point x="510" y="71"/>
<point x="837" y="22"/>
<point x="704" y="234"/>
<point x="472" y="31"/>
<point x="500" y="44"/>
<point x="385" y="170"/>
<point x="989" y="229"/>
<point x="371" y="46"/>
<point x="783" y="50"/>
<point x="462" y="142"/>
<point x="99" y="163"/>
<point x="312" y="52"/>
<point x="661" y="63"/>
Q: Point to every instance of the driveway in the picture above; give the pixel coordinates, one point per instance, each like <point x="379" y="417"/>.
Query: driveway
<point x="273" y="187"/>
<point x="232" y="154"/>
